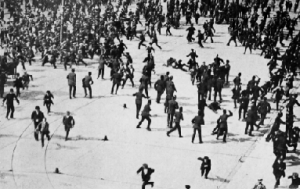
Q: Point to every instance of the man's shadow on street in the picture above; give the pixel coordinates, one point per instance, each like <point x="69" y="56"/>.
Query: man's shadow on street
<point x="293" y="159"/>
<point x="219" y="179"/>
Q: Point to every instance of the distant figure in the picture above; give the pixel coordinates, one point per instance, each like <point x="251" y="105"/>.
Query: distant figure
<point x="26" y="78"/>
<point x="146" y="175"/>
<point x="69" y="123"/>
<point x="259" y="185"/>
<point x="72" y="83"/>
<point x="205" y="166"/>
<point x="18" y="83"/>
<point x="48" y="100"/>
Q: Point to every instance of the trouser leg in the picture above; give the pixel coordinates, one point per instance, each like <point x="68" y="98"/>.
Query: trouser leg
<point x="142" y="120"/>
<point x="263" y="116"/>
<point x="8" y="108"/>
<point x="12" y="108"/>
<point x="146" y="91"/>
<point x="149" y="122"/>
<point x="85" y="91"/>
<point x="67" y="133"/>
<point x="42" y="138"/>
<point x="36" y="134"/>
<point x="206" y="172"/>
<point x="138" y="108"/>
<point x="18" y="91"/>
<point x="173" y="129"/>
<point x="70" y="91"/>
<point x="90" y="90"/>
<point x="194" y="133"/>
<point x="48" y="107"/>
<point x="112" y="88"/>
<point x="179" y="129"/>
<point x="225" y="134"/>
<point x="200" y="134"/>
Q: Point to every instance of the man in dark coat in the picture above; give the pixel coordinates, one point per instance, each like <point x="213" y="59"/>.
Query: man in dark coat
<point x="69" y="123"/>
<point x="138" y="101"/>
<point x="44" y="130"/>
<point x="37" y="117"/>
<point x="173" y="105"/>
<point x="205" y="166"/>
<point x="198" y="121"/>
<point x="116" y="78"/>
<point x="146" y="115"/>
<point x="178" y="117"/>
<point x="9" y="98"/>
<point x="263" y="107"/>
<point x="160" y="86"/>
<point x="244" y="103"/>
<point x="218" y="89"/>
<point x="275" y="126"/>
<point x="18" y="84"/>
<point x="223" y="124"/>
<point x="250" y="120"/>
<point x="72" y="83"/>
<point x="278" y="170"/>
<point x="87" y="82"/>
<point x="146" y="175"/>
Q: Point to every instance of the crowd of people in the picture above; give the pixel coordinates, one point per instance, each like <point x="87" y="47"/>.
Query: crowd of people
<point x="85" y="30"/>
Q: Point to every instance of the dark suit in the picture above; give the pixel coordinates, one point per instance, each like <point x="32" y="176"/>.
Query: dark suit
<point x="205" y="166"/>
<point x="37" y="117"/>
<point x="146" y="176"/>
<point x="10" y="104"/>
<point x="146" y="115"/>
<point x="19" y="84"/>
<point x="173" y="105"/>
<point x="198" y="121"/>
<point x="278" y="170"/>
<point x="250" y="121"/>
<point x="160" y="88"/>
<point x="69" y="122"/>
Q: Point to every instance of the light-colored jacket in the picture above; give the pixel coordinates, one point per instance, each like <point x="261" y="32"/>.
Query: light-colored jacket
<point x="71" y="78"/>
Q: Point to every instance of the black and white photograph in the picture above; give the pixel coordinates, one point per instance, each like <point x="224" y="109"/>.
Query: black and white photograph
<point x="140" y="94"/>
